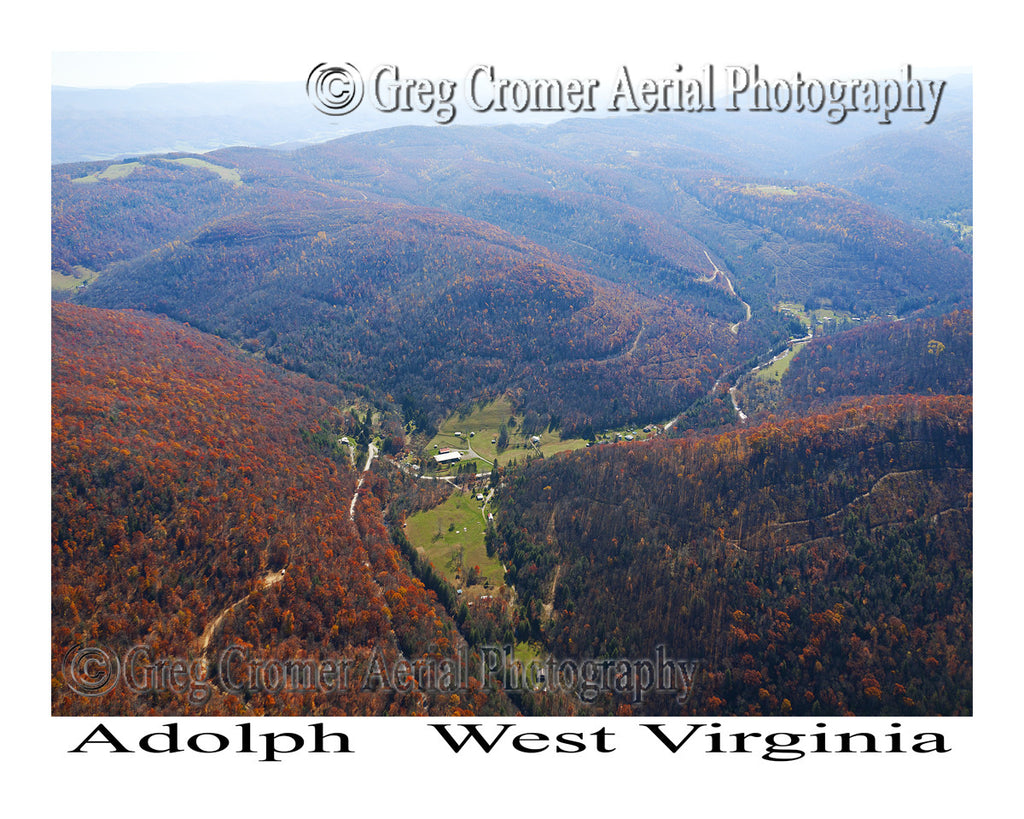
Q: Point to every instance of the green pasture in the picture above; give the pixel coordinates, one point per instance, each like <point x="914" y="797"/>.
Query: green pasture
<point x="456" y="524"/>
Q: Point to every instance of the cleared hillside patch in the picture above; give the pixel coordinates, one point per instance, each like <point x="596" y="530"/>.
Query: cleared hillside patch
<point x="118" y="170"/>
<point x="452" y="537"/>
<point x="227" y="174"/>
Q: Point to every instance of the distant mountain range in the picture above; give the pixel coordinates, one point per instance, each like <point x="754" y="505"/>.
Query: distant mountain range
<point x="98" y="123"/>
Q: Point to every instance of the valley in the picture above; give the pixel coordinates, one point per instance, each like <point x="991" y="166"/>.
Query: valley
<point x="592" y="389"/>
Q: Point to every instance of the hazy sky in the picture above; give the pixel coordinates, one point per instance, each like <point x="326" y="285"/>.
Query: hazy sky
<point x="191" y="41"/>
<point x="119" y="69"/>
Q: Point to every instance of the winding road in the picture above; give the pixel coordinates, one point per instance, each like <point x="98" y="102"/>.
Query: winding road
<point x="790" y="345"/>
<point x="718" y="273"/>
<point x="735" y="328"/>
<point x="211" y="628"/>
<point x="371" y="454"/>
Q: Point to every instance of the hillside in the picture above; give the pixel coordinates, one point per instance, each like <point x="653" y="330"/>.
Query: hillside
<point x="638" y="198"/>
<point x="427" y="305"/>
<point x="801" y="529"/>
<point x="816" y="566"/>
<point x="199" y="504"/>
<point x="593" y="271"/>
<point x="924" y="175"/>
<point x="924" y="356"/>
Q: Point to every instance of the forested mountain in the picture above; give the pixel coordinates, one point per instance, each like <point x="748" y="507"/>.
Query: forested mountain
<point x="565" y="263"/>
<point x="924" y="174"/>
<point x="607" y="192"/>
<point x="820" y="565"/>
<point x="923" y="356"/>
<point x="198" y="504"/>
<point x="807" y="539"/>
<point x="425" y="304"/>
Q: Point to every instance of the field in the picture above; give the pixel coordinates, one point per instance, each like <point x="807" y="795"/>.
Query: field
<point x="58" y="281"/>
<point x="118" y="170"/>
<point x="457" y="524"/>
<point x="794" y="309"/>
<point x="777" y="369"/>
<point x="527" y="653"/>
<point x="482" y="425"/>
<point x="227" y="174"/>
<point x="815" y="317"/>
<point x="770" y="190"/>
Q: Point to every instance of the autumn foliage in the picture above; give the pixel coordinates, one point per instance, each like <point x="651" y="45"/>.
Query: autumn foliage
<point x="182" y="486"/>
<point x="821" y="561"/>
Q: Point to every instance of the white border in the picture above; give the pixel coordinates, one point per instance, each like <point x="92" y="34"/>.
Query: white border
<point x="400" y="765"/>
